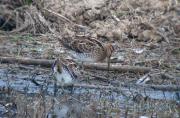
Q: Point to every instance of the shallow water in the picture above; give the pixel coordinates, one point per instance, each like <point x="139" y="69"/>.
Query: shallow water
<point x="83" y="102"/>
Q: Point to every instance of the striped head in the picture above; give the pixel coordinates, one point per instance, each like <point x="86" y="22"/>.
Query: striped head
<point x="63" y="73"/>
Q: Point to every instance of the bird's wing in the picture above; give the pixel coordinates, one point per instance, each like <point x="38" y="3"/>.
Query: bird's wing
<point x="69" y="70"/>
<point x="81" y="45"/>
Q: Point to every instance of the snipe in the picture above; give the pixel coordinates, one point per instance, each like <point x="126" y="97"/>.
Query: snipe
<point x="63" y="72"/>
<point x="88" y="49"/>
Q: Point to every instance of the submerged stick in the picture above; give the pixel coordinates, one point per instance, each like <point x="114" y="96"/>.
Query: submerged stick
<point x="122" y="88"/>
<point x="154" y="87"/>
<point x="131" y="86"/>
<point x="97" y="66"/>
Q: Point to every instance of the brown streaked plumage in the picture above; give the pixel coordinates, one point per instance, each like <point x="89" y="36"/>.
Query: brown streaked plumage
<point x="88" y="49"/>
<point x="63" y="72"/>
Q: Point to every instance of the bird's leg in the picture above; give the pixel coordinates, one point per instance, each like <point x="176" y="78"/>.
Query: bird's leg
<point x="87" y="79"/>
<point x="108" y="64"/>
<point x="72" y="89"/>
<point x="82" y="64"/>
<point x="62" y="85"/>
<point x="55" y="88"/>
<point x="62" y="88"/>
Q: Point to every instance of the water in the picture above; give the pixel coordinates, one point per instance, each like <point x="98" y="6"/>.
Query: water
<point x="81" y="102"/>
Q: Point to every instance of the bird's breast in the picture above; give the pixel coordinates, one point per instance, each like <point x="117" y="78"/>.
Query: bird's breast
<point x="84" y="57"/>
<point x="64" y="78"/>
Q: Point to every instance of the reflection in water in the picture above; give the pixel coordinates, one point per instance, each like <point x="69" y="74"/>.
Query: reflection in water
<point x="82" y="103"/>
<point x="59" y="112"/>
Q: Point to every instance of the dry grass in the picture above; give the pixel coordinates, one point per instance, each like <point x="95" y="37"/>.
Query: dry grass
<point x="146" y="33"/>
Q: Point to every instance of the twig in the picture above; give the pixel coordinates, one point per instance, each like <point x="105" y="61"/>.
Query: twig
<point x="137" y="86"/>
<point x="121" y="88"/>
<point x="97" y="77"/>
<point x="58" y="15"/>
<point x="63" y="18"/>
<point x="96" y="87"/>
<point x="116" y="67"/>
<point x="27" y="61"/>
<point x="167" y="76"/>
<point x="158" y="87"/>
<point x="97" y="66"/>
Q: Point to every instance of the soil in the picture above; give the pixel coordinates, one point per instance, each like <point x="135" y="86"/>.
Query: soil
<point x="144" y="33"/>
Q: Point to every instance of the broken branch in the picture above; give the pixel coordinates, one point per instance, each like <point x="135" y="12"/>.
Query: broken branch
<point x="97" y="66"/>
<point x="116" y="67"/>
<point x="26" y="61"/>
<point x="137" y="86"/>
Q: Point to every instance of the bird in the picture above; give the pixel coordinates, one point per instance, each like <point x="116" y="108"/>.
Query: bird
<point x="63" y="72"/>
<point x="88" y="49"/>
